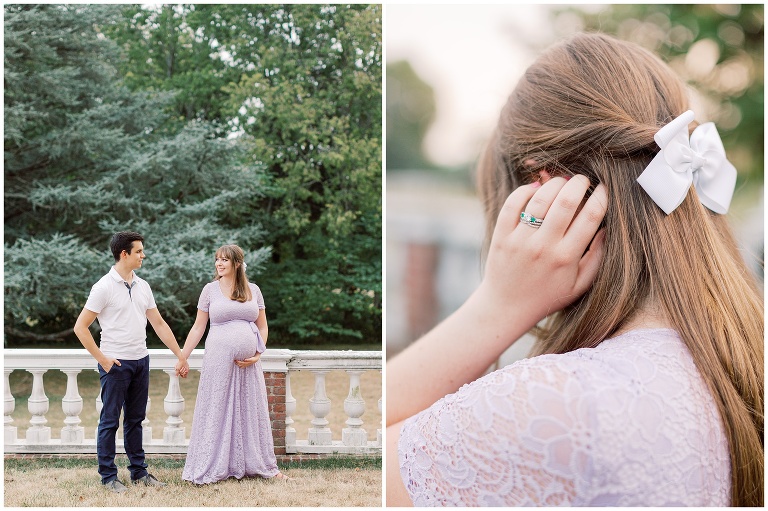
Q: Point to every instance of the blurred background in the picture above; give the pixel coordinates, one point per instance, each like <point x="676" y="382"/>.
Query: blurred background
<point x="450" y="69"/>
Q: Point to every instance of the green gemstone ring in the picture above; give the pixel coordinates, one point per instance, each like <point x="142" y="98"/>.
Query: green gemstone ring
<point x="531" y="220"/>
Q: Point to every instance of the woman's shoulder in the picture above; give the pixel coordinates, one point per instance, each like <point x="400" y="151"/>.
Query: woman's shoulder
<point x="589" y="376"/>
<point x="614" y="362"/>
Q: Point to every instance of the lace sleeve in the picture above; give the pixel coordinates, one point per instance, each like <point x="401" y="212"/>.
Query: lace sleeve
<point x="204" y="302"/>
<point x="518" y="436"/>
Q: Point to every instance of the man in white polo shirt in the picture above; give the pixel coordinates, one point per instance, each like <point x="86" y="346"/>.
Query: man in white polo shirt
<point x="123" y="303"/>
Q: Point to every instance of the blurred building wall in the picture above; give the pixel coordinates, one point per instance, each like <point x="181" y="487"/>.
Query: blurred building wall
<point x="434" y="237"/>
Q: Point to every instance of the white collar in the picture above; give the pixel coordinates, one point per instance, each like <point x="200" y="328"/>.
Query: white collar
<point x="116" y="276"/>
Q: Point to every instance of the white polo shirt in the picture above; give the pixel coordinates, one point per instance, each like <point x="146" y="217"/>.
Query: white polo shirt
<point x="122" y="315"/>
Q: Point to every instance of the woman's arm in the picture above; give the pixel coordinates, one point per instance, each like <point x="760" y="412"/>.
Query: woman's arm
<point x="261" y="324"/>
<point x="195" y="333"/>
<point x="529" y="274"/>
<point x="193" y="338"/>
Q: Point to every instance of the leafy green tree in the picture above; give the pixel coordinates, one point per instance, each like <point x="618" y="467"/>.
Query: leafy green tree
<point x="304" y="81"/>
<point x="410" y="111"/>
<point x="313" y="104"/>
<point x="86" y="157"/>
<point x="169" y="48"/>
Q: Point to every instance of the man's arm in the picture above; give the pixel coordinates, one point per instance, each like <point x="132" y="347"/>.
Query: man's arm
<point x="164" y="332"/>
<point x="82" y="332"/>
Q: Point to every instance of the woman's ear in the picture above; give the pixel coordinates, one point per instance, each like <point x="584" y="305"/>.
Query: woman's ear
<point x="544" y="176"/>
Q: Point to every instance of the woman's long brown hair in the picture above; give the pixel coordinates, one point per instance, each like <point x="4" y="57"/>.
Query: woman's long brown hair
<point x="241" y="292"/>
<point x="591" y="106"/>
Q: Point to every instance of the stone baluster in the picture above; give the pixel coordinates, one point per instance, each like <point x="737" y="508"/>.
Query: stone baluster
<point x="290" y="409"/>
<point x="146" y="429"/>
<point x="354" y="407"/>
<point x="378" y="432"/>
<point x="10" y="406"/>
<point x="173" y="433"/>
<point x="72" y="405"/>
<point x="38" y="432"/>
<point x="320" y="406"/>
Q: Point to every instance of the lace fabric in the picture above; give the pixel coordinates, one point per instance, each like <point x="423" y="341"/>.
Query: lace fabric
<point x="629" y="423"/>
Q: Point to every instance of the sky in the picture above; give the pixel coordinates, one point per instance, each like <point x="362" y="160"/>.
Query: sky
<point x="472" y="56"/>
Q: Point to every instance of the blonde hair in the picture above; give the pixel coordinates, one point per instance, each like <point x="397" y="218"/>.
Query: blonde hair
<point x="591" y="106"/>
<point x="241" y="291"/>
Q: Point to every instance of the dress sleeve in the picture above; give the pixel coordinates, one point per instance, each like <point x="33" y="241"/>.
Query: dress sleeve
<point x="258" y="296"/>
<point x="205" y="299"/>
<point x="518" y="436"/>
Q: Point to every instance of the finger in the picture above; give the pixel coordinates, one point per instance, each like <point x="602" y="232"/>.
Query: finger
<point x="117" y="363"/>
<point x="587" y="221"/>
<point x="509" y="216"/>
<point x="590" y="264"/>
<point x="542" y="200"/>
<point x="564" y="206"/>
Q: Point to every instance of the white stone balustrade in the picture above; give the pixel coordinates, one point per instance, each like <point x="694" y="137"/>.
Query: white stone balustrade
<point x="10" y="406"/>
<point x="354" y="437"/>
<point x="72" y="362"/>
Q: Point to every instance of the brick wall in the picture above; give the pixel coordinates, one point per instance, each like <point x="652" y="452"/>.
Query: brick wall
<point x="420" y="288"/>
<point x="276" y="400"/>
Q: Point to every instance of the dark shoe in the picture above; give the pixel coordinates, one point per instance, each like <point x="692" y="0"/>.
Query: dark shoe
<point x="149" y="480"/>
<point x="116" y="486"/>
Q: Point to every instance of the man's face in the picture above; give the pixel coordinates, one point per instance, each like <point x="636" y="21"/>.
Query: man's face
<point x="136" y="256"/>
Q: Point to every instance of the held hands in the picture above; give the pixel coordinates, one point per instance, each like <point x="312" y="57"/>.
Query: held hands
<point x="540" y="270"/>
<point x="182" y="368"/>
<point x="248" y="361"/>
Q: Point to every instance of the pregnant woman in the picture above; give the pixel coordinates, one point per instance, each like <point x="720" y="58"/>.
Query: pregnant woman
<point x="231" y="433"/>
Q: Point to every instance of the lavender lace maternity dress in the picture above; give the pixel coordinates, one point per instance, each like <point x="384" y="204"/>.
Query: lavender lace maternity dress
<point x="231" y="433"/>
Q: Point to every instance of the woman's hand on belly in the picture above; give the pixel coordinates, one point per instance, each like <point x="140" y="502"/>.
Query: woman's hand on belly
<point x="248" y="361"/>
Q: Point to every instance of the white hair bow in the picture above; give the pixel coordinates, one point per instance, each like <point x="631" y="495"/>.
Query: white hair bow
<point x="681" y="162"/>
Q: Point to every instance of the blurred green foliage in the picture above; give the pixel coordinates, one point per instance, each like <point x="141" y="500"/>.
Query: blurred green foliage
<point x="410" y="111"/>
<point x="718" y="49"/>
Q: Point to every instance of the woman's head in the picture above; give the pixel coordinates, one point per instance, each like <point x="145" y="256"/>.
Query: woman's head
<point x="234" y="256"/>
<point x="591" y="106"/>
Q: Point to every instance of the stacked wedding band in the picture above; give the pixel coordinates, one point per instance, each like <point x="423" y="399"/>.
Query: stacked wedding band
<point x="531" y="220"/>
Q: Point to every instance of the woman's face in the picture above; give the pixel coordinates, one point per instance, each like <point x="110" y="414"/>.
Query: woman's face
<point x="224" y="266"/>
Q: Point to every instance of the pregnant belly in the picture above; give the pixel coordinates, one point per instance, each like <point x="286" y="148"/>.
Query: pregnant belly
<point x="234" y="340"/>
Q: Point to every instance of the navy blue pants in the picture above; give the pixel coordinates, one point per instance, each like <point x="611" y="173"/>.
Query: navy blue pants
<point x="125" y="387"/>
